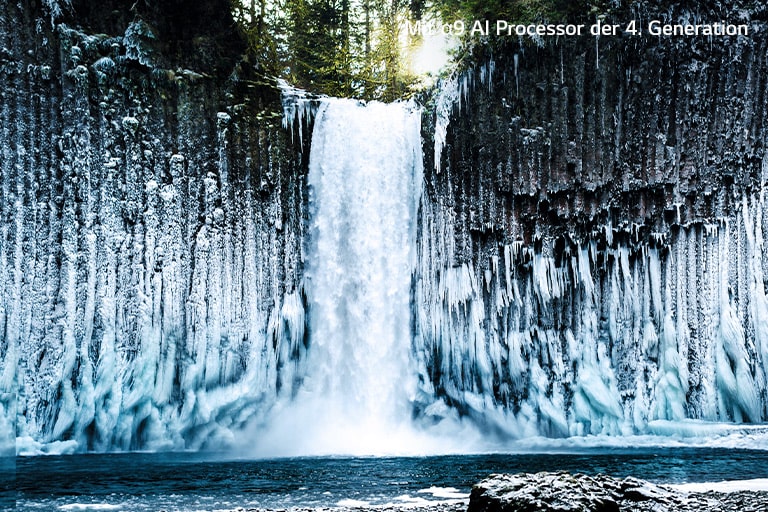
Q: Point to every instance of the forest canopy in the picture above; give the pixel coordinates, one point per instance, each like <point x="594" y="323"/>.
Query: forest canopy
<point x="366" y="48"/>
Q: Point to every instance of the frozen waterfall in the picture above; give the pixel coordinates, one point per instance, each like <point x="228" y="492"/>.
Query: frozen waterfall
<point x="531" y="327"/>
<point x="579" y="253"/>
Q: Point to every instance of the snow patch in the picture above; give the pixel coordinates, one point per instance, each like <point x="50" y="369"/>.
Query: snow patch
<point x="445" y="492"/>
<point x="352" y="503"/>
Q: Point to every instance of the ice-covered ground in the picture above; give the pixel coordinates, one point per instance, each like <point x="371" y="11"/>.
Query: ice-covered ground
<point x="661" y="434"/>
<point x="691" y="434"/>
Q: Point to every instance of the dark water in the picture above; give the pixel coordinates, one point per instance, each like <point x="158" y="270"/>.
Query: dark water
<point x="196" y="482"/>
<point x="7" y="480"/>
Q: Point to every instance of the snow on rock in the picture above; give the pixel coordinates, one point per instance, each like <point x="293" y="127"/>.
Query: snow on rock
<point x="550" y="492"/>
<point x="150" y="250"/>
<point x="587" y="266"/>
<point x="729" y="486"/>
<point x="564" y="492"/>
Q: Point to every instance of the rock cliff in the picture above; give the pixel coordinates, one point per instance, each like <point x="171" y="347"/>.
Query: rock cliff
<point x="152" y="212"/>
<point x="592" y="252"/>
<point x="590" y="255"/>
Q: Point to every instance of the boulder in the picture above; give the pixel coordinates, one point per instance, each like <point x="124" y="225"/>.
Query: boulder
<point x="563" y="492"/>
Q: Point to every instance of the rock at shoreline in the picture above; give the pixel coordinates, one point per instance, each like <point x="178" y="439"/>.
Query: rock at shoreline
<point x="565" y="492"/>
<point x="545" y="492"/>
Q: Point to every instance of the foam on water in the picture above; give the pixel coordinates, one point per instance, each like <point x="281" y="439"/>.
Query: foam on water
<point x="89" y="506"/>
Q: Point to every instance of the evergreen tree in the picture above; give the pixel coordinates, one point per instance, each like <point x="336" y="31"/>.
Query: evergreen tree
<point x="353" y="48"/>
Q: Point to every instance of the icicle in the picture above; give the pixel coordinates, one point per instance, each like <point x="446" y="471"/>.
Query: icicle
<point x="454" y="95"/>
<point x="448" y="97"/>
<point x="298" y="109"/>
<point x="517" y="77"/>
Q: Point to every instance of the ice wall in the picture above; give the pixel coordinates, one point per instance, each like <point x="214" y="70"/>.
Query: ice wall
<point x="599" y="340"/>
<point x="150" y="243"/>
<point x="591" y="249"/>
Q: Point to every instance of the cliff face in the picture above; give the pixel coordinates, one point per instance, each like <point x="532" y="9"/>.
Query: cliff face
<point x="152" y="220"/>
<point x="592" y="252"/>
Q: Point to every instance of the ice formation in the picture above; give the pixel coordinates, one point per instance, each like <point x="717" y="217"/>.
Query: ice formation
<point x="589" y="332"/>
<point x="598" y="342"/>
<point x="167" y="288"/>
<point x="452" y="96"/>
<point x="146" y="274"/>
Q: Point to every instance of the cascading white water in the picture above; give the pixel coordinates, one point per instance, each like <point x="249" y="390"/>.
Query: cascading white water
<point x="365" y="179"/>
<point x="365" y="172"/>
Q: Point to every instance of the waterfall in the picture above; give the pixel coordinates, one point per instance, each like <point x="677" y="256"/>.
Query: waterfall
<point x="365" y="171"/>
<point x="365" y="174"/>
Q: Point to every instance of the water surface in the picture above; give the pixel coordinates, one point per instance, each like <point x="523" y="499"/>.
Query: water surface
<point x="177" y="482"/>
